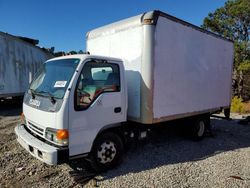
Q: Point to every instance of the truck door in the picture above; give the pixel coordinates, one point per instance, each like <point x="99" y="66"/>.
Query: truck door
<point x="98" y="100"/>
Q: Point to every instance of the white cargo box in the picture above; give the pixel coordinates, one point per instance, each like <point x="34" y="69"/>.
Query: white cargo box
<point x="173" y="68"/>
<point x="19" y="61"/>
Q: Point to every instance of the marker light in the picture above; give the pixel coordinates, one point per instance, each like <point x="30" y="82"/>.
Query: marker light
<point x="148" y="21"/>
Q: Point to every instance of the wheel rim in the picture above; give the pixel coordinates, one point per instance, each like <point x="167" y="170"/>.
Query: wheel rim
<point x="201" y="128"/>
<point x="106" y="152"/>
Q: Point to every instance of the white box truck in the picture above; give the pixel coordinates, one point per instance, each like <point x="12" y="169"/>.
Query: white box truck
<point x="19" y="60"/>
<point x="141" y="71"/>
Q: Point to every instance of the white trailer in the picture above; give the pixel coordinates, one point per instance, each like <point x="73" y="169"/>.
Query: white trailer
<point x="19" y="60"/>
<point x="147" y="69"/>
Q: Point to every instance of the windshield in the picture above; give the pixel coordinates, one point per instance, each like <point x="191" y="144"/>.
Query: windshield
<point x="53" y="78"/>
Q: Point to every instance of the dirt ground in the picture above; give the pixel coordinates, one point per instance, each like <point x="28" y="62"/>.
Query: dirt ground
<point x="247" y="107"/>
<point x="166" y="160"/>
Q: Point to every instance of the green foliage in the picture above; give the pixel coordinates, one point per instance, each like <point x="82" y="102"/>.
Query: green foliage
<point x="244" y="66"/>
<point x="241" y="52"/>
<point x="237" y="105"/>
<point x="232" y="21"/>
<point x="72" y="52"/>
<point x="80" y="52"/>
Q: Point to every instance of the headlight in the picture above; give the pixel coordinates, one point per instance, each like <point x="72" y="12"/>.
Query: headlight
<point x="60" y="137"/>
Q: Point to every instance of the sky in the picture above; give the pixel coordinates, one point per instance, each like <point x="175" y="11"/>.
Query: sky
<point x="64" y="24"/>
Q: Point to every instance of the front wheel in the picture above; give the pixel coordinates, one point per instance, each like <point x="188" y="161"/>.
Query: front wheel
<point x="106" y="152"/>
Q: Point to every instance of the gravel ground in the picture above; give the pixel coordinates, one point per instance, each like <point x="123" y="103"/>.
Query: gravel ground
<point x="168" y="159"/>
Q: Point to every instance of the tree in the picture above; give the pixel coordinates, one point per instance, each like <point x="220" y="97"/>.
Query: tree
<point x="232" y="21"/>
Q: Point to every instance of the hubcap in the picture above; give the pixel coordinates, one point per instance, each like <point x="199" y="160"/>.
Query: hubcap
<point x="106" y="152"/>
<point x="201" y="128"/>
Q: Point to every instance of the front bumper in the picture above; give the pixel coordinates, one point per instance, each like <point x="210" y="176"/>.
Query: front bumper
<point x="39" y="149"/>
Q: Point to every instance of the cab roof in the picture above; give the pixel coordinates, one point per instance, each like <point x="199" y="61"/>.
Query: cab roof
<point x="85" y="56"/>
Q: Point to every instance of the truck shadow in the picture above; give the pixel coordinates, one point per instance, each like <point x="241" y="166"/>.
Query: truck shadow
<point x="82" y="173"/>
<point x="168" y="145"/>
<point x="10" y="107"/>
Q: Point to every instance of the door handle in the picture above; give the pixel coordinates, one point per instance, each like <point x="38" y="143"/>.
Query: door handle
<point x="117" y="109"/>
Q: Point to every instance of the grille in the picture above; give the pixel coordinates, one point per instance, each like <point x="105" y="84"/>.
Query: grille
<point x="35" y="129"/>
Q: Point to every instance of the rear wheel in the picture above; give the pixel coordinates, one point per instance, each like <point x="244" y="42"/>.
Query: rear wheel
<point x="106" y="152"/>
<point x="199" y="127"/>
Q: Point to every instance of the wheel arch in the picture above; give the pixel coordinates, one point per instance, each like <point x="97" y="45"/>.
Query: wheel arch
<point x="114" y="128"/>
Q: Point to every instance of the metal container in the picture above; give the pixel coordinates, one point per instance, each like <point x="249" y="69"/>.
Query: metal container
<point x="19" y="61"/>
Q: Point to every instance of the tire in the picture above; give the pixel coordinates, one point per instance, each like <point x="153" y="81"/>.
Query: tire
<point x="107" y="152"/>
<point x="227" y="113"/>
<point x="199" y="128"/>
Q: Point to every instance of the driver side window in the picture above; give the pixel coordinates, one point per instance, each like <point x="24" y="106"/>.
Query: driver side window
<point x="96" y="78"/>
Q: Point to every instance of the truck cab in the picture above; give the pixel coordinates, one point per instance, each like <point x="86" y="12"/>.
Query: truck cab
<point x="70" y="102"/>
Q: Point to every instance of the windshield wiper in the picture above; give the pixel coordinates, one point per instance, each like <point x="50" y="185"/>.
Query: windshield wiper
<point x="52" y="98"/>
<point x="33" y="93"/>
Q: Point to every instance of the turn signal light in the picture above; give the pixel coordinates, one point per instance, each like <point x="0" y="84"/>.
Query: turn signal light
<point x="62" y="134"/>
<point x="22" y="118"/>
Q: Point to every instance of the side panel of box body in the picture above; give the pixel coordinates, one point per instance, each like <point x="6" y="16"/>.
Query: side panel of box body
<point x="19" y="62"/>
<point x="123" y="40"/>
<point x="192" y="71"/>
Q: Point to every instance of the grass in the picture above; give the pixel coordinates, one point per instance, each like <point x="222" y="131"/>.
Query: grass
<point x="237" y="105"/>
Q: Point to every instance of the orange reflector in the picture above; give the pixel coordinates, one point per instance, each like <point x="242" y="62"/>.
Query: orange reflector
<point x="62" y="134"/>
<point x="22" y="117"/>
<point x="148" y="21"/>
